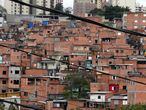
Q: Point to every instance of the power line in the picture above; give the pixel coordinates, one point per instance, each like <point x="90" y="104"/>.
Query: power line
<point x="79" y="18"/>
<point x="22" y="105"/>
<point x="42" y="96"/>
<point x="93" y="70"/>
<point x="83" y="19"/>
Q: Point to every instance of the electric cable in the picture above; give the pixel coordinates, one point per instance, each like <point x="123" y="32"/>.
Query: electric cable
<point x="22" y="105"/>
<point x="81" y="67"/>
<point x="79" y="18"/>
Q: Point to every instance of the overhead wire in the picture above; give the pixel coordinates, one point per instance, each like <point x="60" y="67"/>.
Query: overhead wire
<point x="22" y="105"/>
<point x="77" y="66"/>
<point x="79" y="18"/>
<point x="85" y="20"/>
<point x="82" y="19"/>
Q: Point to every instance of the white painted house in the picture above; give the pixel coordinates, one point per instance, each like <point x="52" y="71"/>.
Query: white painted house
<point x="99" y="96"/>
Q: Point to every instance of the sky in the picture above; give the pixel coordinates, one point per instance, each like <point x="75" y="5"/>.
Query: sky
<point x="142" y="2"/>
<point x="69" y="3"/>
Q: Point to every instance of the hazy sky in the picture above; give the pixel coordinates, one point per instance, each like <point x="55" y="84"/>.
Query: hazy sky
<point x="143" y="2"/>
<point x="69" y="3"/>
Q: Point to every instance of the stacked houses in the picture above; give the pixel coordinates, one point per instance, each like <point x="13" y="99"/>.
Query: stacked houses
<point x="55" y="49"/>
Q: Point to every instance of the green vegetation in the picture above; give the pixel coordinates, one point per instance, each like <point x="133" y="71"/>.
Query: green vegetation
<point x="134" y="107"/>
<point x="77" y="87"/>
<point x="59" y="7"/>
<point x="2" y="106"/>
<point x="68" y="10"/>
<point x="110" y="12"/>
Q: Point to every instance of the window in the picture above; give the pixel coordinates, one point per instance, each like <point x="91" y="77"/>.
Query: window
<point x="124" y="87"/>
<point x="24" y="57"/>
<point x="4" y="72"/>
<point x="99" y="97"/>
<point x="115" y="67"/>
<point x="4" y="82"/>
<point x="117" y="51"/>
<point x="25" y="93"/>
<point x="96" y="41"/>
<point x="17" y="57"/>
<point x="110" y="62"/>
<point x="114" y="77"/>
<point x="141" y="62"/>
<point x="134" y="52"/>
<point x="4" y="91"/>
<point x="122" y="51"/>
<point x="16" y="71"/>
<point x="16" y="90"/>
<point x="36" y="93"/>
<point x="16" y="82"/>
<point x="31" y="81"/>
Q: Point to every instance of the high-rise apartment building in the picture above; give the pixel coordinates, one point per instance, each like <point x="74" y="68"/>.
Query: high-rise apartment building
<point x="15" y="8"/>
<point x="83" y="7"/>
<point x="124" y="3"/>
<point x="100" y="3"/>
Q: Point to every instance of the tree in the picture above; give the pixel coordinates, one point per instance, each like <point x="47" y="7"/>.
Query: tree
<point x="97" y="11"/>
<point x="2" y="106"/>
<point x="77" y="87"/>
<point x="134" y="107"/>
<point x="114" y="12"/>
<point x="68" y="10"/>
<point x="58" y="7"/>
<point x="110" y="12"/>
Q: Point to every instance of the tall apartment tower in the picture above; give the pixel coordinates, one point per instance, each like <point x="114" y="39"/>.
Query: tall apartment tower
<point x="83" y="7"/>
<point x="100" y="3"/>
<point x="47" y="4"/>
<point x="15" y="8"/>
<point x="124" y="3"/>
